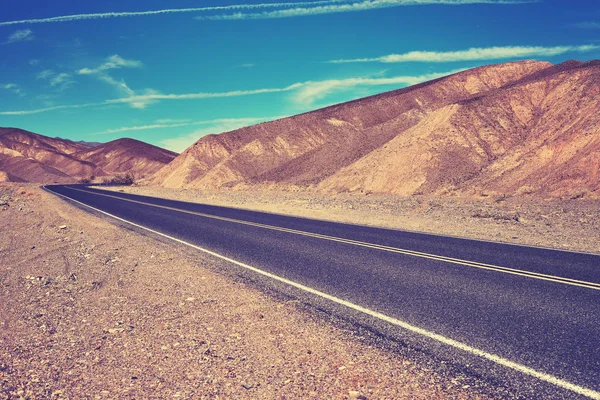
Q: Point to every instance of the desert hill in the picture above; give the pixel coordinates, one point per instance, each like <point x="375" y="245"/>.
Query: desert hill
<point x="30" y="157"/>
<point x="515" y="128"/>
<point x="127" y="155"/>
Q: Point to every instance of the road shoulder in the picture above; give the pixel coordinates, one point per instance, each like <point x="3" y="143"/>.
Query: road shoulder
<point x="91" y="309"/>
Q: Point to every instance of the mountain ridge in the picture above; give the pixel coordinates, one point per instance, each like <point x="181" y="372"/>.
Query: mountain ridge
<point x="30" y="157"/>
<point x="446" y="136"/>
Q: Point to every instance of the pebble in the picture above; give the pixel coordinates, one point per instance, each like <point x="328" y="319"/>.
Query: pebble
<point x="353" y="394"/>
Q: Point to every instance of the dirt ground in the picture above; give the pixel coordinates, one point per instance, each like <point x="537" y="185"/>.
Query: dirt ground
<point x="89" y="310"/>
<point x="562" y="224"/>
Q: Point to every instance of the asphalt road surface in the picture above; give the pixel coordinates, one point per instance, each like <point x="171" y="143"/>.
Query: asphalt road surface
<point x="524" y="316"/>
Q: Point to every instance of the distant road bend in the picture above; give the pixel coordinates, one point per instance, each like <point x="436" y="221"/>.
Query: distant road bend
<point x="526" y="315"/>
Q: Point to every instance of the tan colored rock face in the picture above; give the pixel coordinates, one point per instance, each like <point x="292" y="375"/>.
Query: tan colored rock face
<point x="27" y="156"/>
<point x="516" y="128"/>
<point x="127" y="155"/>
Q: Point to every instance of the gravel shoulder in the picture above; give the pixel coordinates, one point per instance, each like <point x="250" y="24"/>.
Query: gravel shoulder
<point x="90" y="310"/>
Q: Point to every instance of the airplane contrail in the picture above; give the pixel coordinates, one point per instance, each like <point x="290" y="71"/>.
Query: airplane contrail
<point x="79" y="17"/>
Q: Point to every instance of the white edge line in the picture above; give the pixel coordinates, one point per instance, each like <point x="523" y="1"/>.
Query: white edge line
<point x="371" y="226"/>
<point x="413" y="253"/>
<point x="592" y="394"/>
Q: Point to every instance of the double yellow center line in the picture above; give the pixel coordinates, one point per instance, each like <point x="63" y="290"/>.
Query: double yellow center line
<point x="472" y="264"/>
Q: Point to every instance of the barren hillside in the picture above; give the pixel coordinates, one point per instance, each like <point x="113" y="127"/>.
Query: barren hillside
<point x="26" y="156"/>
<point x="127" y="155"/>
<point x="516" y="128"/>
<point x="29" y="157"/>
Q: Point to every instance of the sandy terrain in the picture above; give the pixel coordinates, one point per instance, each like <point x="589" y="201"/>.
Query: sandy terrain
<point x="562" y="224"/>
<point x="91" y="311"/>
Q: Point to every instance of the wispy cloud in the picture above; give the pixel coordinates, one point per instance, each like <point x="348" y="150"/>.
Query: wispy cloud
<point x="474" y="54"/>
<point x="588" y="25"/>
<point x="23" y="35"/>
<point x="118" y="62"/>
<point x="197" y="96"/>
<point x="112" y="62"/>
<point x="141" y="128"/>
<point x="140" y="101"/>
<point x="309" y="92"/>
<point x="13" y="87"/>
<point x="348" y="6"/>
<point x="171" y="121"/>
<point x="47" y="99"/>
<point x="53" y="108"/>
<point x="58" y="81"/>
<point x="45" y="74"/>
<point x="79" y="17"/>
<point x="180" y="143"/>
<point x="303" y="92"/>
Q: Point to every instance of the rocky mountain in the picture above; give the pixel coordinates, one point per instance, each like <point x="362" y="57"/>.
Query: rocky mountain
<point x="515" y="128"/>
<point x="127" y="155"/>
<point x="29" y="157"/>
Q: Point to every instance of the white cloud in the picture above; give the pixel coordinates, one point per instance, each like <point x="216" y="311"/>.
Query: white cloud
<point x="171" y="121"/>
<point x="305" y="92"/>
<point x="34" y="62"/>
<point x="13" y="87"/>
<point x="23" y="35"/>
<point x="588" y="25"/>
<point x="79" y="17"/>
<point x="141" y="101"/>
<point x="121" y="85"/>
<point x="112" y="62"/>
<point x="309" y="92"/>
<point x="45" y="74"/>
<point x="117" y="62"/>
<point x="53" y="108"/>
<point x="58" y="79"/>
<point x="47" y="99"/>
<point x="347" y="6"/>
<point x="180" y="143"/>
<point x="248" y="65"/>
<point x="174" y="123"/>
<point x="141" y="128"/>
<point x="473" y="54"/>
<point x="150" y="97"/>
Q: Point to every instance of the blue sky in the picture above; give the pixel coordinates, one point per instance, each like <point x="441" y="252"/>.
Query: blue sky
<point x="169" y="72"/>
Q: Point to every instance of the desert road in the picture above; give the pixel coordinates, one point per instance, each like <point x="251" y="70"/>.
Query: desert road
<point x="524" y="316"/>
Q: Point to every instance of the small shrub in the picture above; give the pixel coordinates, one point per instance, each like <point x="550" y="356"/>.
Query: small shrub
<point x="123" y="180"/>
